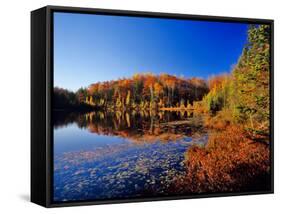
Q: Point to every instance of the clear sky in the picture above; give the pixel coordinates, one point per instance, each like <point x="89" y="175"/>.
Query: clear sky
<point x="91" y="48"/>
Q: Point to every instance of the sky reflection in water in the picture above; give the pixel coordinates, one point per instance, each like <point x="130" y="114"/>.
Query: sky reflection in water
<point x="94" y="161"/>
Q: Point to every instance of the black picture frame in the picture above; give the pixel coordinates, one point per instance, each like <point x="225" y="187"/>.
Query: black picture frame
<point x="41" y="100"/>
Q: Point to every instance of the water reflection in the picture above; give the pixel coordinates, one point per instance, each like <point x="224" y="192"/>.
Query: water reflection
<point x="143" y="126"/>
<point x="106" y="155"/>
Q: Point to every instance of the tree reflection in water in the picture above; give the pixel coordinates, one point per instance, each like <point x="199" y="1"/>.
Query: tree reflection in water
<point x="142" y="126"/>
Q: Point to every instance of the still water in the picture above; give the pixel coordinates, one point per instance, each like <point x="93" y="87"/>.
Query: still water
<point x="119" y="155"/>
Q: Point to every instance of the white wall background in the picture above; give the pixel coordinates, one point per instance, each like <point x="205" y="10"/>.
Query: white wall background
<point x="15" y="105"/>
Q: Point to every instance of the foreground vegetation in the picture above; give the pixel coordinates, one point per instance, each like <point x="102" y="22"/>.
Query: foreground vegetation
<point x="230" y="162"/>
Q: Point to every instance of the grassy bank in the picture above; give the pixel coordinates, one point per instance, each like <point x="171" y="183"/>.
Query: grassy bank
<point x="230" y="162"/>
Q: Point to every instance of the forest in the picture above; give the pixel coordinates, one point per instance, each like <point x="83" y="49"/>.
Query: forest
<point x="142" y="91"/>
<point x="237" y="155"/>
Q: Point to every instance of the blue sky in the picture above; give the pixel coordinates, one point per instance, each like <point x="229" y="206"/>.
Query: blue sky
<point x="92" y="48"/>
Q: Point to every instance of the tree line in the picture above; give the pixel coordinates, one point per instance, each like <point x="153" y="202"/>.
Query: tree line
<point x="142" y="91"/>
<point x="64" y="99"/>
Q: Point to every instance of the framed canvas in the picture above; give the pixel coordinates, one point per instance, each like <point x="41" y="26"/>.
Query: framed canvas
<point x="131" y="106"/>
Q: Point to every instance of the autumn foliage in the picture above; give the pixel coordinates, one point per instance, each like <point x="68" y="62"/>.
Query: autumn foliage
<point x="237" y="155"/>
<point x="142" y="91"/>
<point x="245" y="92"/>
<point x="146" y="91"/>
<point x="230" y="162"/>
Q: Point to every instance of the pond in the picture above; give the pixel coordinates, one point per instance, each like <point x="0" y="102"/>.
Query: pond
<point x="118" y="155"/>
